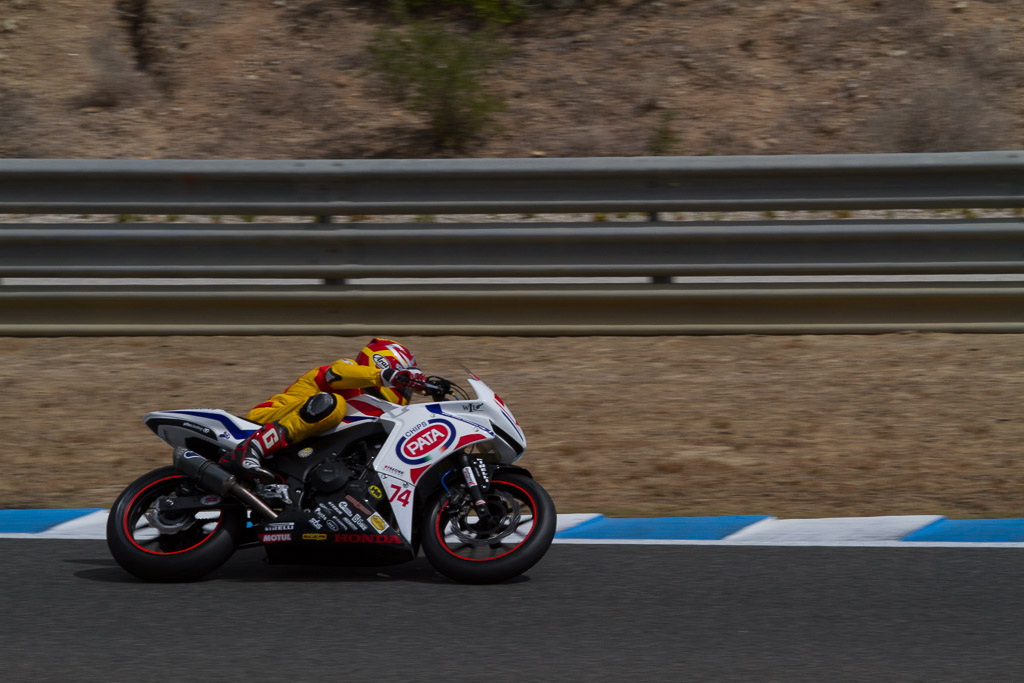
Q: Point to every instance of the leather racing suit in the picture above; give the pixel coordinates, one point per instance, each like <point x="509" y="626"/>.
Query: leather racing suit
<point x="340" y="380"/>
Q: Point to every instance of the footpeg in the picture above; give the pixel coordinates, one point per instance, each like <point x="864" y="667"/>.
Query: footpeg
<point x="274" y="491"/>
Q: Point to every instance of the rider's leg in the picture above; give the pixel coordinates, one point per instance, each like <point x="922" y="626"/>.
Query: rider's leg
<point x="294" y="423"/>
<point x="319" y="413"/>
<point x="247" y="458"/>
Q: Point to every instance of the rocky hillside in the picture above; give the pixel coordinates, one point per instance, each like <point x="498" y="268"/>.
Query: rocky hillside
<point x="292" y="79"/>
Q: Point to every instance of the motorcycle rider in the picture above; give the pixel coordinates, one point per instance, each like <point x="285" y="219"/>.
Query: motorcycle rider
<point x="315" y="402"/>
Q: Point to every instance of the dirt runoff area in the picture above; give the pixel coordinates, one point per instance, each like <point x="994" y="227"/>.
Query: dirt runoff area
<point x="792" y="426"/>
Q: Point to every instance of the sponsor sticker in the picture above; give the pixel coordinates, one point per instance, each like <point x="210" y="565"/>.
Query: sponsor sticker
<point x="360" y="523"/>
<point x="316" y="523"/>
<point x="481" y="469"/>
<point x="376" y="492"/>
<point x="378" y="523"/>
<point x="305" y="453"/>
<point x="359" y="506"/>
<point x="332" y="525"/>
<point x="367" y="538"/>
<point x="279" y="526"/>
<point x="275" y="538"/>
<point x="210" y="500"/>
<point x="197" y="428"/>
<point x="415" y="448"/>
<point x="314" y="537"/>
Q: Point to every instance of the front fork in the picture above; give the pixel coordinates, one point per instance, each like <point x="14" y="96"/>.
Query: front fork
<point x="474" y="473"/>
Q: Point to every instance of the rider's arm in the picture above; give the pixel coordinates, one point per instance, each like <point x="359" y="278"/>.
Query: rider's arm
<point x="346" y="374"/>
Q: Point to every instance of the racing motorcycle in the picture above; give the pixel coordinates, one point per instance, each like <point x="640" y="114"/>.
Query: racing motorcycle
<point x="388" y="481"/>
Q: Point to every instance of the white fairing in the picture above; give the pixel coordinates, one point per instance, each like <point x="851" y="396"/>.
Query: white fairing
<point x="424" y="434"/>
<point x="210" y="424"/>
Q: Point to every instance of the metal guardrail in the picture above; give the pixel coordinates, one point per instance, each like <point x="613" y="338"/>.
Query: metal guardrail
<point x="510" y="250"/>
<point x="655" y="250"/>
<point x="422" y="186"/>
<point x="483" y="310"/>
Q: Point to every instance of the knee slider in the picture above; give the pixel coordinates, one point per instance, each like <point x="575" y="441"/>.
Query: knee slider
<point x="318" y="407"/>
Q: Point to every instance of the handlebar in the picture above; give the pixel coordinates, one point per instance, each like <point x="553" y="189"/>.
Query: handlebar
<point x="440" y="389"/>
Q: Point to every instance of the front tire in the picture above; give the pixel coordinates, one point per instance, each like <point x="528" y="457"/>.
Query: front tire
<point x="462" y="547"/>
<point x="171" y="547"/>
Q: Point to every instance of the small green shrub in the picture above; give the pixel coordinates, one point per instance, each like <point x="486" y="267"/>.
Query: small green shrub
<point x="439" y="73"/>
<point x="487" y="11"/>
<point x="663" y="139"/>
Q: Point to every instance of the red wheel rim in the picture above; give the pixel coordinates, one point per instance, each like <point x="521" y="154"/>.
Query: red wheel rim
<point x="130" y="533"/>
<point x="442" y="519"/>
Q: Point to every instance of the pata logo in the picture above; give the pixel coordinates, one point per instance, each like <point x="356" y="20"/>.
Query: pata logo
<point x="425" y="441"/>
<point x="417" y="447"/>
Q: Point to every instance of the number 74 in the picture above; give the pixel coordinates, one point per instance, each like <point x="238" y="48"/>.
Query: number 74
<point x="400" y="494"/>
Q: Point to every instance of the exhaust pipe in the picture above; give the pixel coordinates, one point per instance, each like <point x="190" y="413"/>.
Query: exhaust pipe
<point x="215" y="478"/>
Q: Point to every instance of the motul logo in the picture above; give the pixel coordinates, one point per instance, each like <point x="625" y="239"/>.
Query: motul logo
<point x="366" y="538"/>
<point x="275" y="538"/>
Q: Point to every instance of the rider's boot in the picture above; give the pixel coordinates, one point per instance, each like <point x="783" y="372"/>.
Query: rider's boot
<point x="247" y="458"/>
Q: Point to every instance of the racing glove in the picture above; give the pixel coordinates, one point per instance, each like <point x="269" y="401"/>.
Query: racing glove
<point x="401" y="380"/>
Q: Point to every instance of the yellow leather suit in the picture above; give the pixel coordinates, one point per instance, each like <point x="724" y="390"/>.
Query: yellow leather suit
<point x="344" y="379"/>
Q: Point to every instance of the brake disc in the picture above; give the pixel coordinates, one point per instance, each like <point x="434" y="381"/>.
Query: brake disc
<point x="477" y="534"/>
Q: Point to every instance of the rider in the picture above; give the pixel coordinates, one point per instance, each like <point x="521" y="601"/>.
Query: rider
<point x="315" y="402"/>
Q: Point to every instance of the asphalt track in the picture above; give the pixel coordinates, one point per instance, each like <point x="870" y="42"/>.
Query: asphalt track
<point x="586" y="612"/>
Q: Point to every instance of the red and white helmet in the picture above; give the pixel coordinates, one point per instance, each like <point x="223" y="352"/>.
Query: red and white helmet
<point x="384" y="354"/>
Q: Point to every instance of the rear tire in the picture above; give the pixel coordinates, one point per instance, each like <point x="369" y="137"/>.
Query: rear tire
<point x="187" y="547"/>
<point x="465" y="549"/>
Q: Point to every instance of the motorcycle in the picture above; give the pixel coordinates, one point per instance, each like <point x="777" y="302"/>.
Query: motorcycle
<point x="388" y="481"/>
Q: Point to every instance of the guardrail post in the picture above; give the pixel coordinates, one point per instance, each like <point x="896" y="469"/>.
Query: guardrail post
<point x="333" y="281"/>
<point x="658" y="279"/>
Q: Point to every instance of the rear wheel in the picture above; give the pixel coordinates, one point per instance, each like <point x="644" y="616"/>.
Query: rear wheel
<point x="152" y="540"/>
<point x="463" y="546"/>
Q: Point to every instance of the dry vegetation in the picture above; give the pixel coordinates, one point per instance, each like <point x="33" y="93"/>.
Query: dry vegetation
<point x="294" y="78"/>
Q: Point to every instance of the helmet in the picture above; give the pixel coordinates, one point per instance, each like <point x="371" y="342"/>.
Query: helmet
<point x="384" y="354"/>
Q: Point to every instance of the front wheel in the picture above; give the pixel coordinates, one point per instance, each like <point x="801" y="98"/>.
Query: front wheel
<point x="464" y="547"/>
<point x="163" y="527"/>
